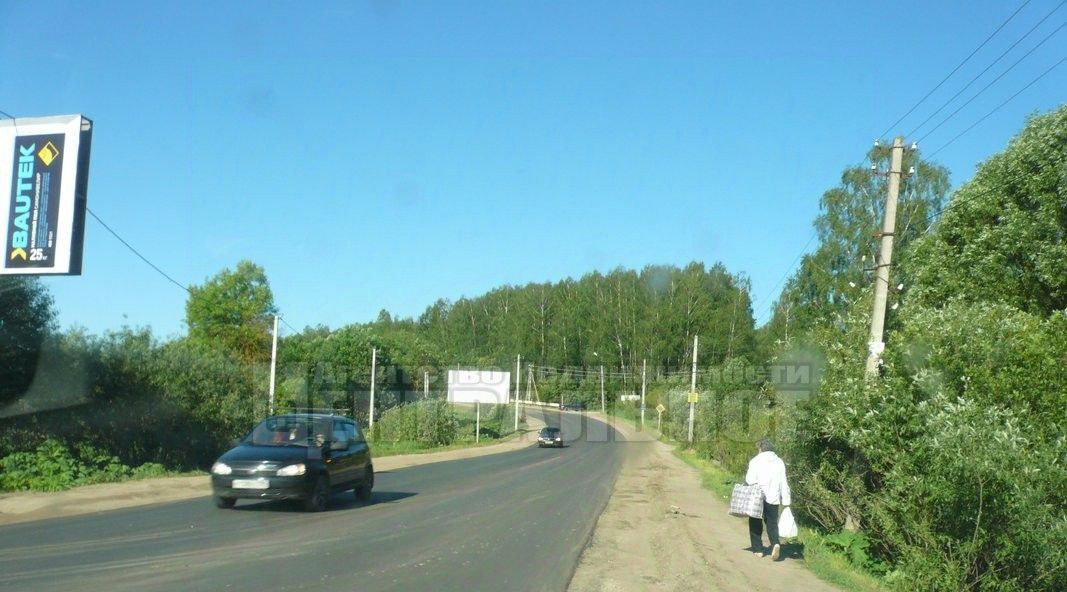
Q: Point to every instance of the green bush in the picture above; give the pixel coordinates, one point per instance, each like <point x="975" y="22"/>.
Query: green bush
<point x="398" y="424"/>
<point x="148" y="470"/>
<point x="52" y="466"/>
<point x="437" y="423"/>
<point x="177" y="404"/>
<point x="951" y="464"/>
<point x="429" y="422"/>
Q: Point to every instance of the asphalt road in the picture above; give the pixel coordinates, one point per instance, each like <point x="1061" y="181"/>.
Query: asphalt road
<point x="510" y="521"/>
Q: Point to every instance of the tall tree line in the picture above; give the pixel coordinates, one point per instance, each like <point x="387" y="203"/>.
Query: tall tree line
<point x="624" y="316"/>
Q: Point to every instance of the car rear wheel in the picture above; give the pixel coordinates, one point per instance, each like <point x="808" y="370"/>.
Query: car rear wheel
<point x="363" y="492"/>
<point x="224" y="502"/>
<point x="320" y="496"/>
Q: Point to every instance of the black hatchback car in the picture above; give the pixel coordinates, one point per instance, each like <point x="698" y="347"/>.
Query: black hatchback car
<point x="550" y="437"/>
<point x="302" y="457"/>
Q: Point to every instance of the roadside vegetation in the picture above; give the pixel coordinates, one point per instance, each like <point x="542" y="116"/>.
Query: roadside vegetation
<point x="52" y="466"/>
<point x="431" y="425"/>
<point x="943" y="472"/>
<point x="946" y="471"/>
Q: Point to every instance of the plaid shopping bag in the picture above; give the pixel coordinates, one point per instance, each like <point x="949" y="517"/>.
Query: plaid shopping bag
<point x="747" y="501"/>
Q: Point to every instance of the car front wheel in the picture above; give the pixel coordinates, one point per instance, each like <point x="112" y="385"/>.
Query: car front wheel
<point x="320" y="496"/>
<point x="224" y="502"/>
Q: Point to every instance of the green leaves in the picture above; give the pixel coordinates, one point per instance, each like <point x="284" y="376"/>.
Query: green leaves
<point x="429" y="422"/>
<point x="1002" y="237"/>
<point x="27" y="315"/>
<point x="848" y="224"/>
<point x="52" y="466"/>
<point x="233" y="311"/>
<point x="853" y="545"/>
<point x="625" y="316"/>
<point x="951" y="462"/>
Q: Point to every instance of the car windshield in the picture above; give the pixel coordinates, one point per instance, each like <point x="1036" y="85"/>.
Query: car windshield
<point x="289" y="431"/>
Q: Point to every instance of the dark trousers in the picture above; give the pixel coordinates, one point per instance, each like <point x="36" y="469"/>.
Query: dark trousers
<point x="755" y="527"/>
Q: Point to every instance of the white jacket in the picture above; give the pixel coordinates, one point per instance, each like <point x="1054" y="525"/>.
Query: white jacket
<point x="768" y="471"/>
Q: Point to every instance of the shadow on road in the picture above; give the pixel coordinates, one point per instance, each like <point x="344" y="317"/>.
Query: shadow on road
<point x="339" y="502"/>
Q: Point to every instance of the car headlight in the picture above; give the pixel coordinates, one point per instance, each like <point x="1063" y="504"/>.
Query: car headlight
<point x="221" y="469"/>
<point x="292" y="470"/>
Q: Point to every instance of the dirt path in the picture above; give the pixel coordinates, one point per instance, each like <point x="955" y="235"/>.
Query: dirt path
<point x="662" y="531"/>
<point x="27" y="506"/>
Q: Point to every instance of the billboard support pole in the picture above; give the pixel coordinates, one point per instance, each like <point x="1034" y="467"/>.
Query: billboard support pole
<point x="643" y="368"/>
<point x="518" y="363"/>
<point x="477" y="421"/>
<point x="603" y="406"/>
<point x="693" y="389"/>
<point x="373" y="372"/>
<point x="273" y="363"/>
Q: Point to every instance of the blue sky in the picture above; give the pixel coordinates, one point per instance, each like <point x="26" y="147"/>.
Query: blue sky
<point x="384" y="154"/>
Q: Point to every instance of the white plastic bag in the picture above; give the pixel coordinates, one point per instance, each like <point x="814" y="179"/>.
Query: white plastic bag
<point x="787" y="527"/>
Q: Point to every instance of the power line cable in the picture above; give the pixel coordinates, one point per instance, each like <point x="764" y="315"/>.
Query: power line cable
<point x="286" y="323"/>
<point x="153" y="265"/>
<point x="994" y="81"/>
<point x="765" y="308"/>
<point x="131" y="248"/>
<point x="136" y="252"/>
<point x="987" y="68"/>
<point x="120" y="239"/>
<point x="954" y="70"/>
<point x="998" y="107"/>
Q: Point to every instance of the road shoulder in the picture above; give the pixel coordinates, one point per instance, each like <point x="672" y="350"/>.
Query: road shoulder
<point x="662" y="531"/>
<point x="30" y="506"/>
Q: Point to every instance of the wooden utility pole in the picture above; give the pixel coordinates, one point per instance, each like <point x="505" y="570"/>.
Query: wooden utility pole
<point x="876" y="343"/>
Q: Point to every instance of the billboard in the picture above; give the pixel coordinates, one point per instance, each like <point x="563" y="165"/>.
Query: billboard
<point x="44" y="177"/>
<point x="479" y="386"/>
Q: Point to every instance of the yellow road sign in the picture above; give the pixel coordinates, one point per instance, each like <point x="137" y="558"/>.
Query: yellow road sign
<point x="660" y="408"/>
<point x="694" y="397"/>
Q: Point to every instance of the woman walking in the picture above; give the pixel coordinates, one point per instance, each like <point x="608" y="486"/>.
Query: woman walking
<point x="767" y="470"/>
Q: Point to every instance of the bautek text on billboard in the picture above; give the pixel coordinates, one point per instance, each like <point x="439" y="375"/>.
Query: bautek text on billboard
<point x="44" y="163"/>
